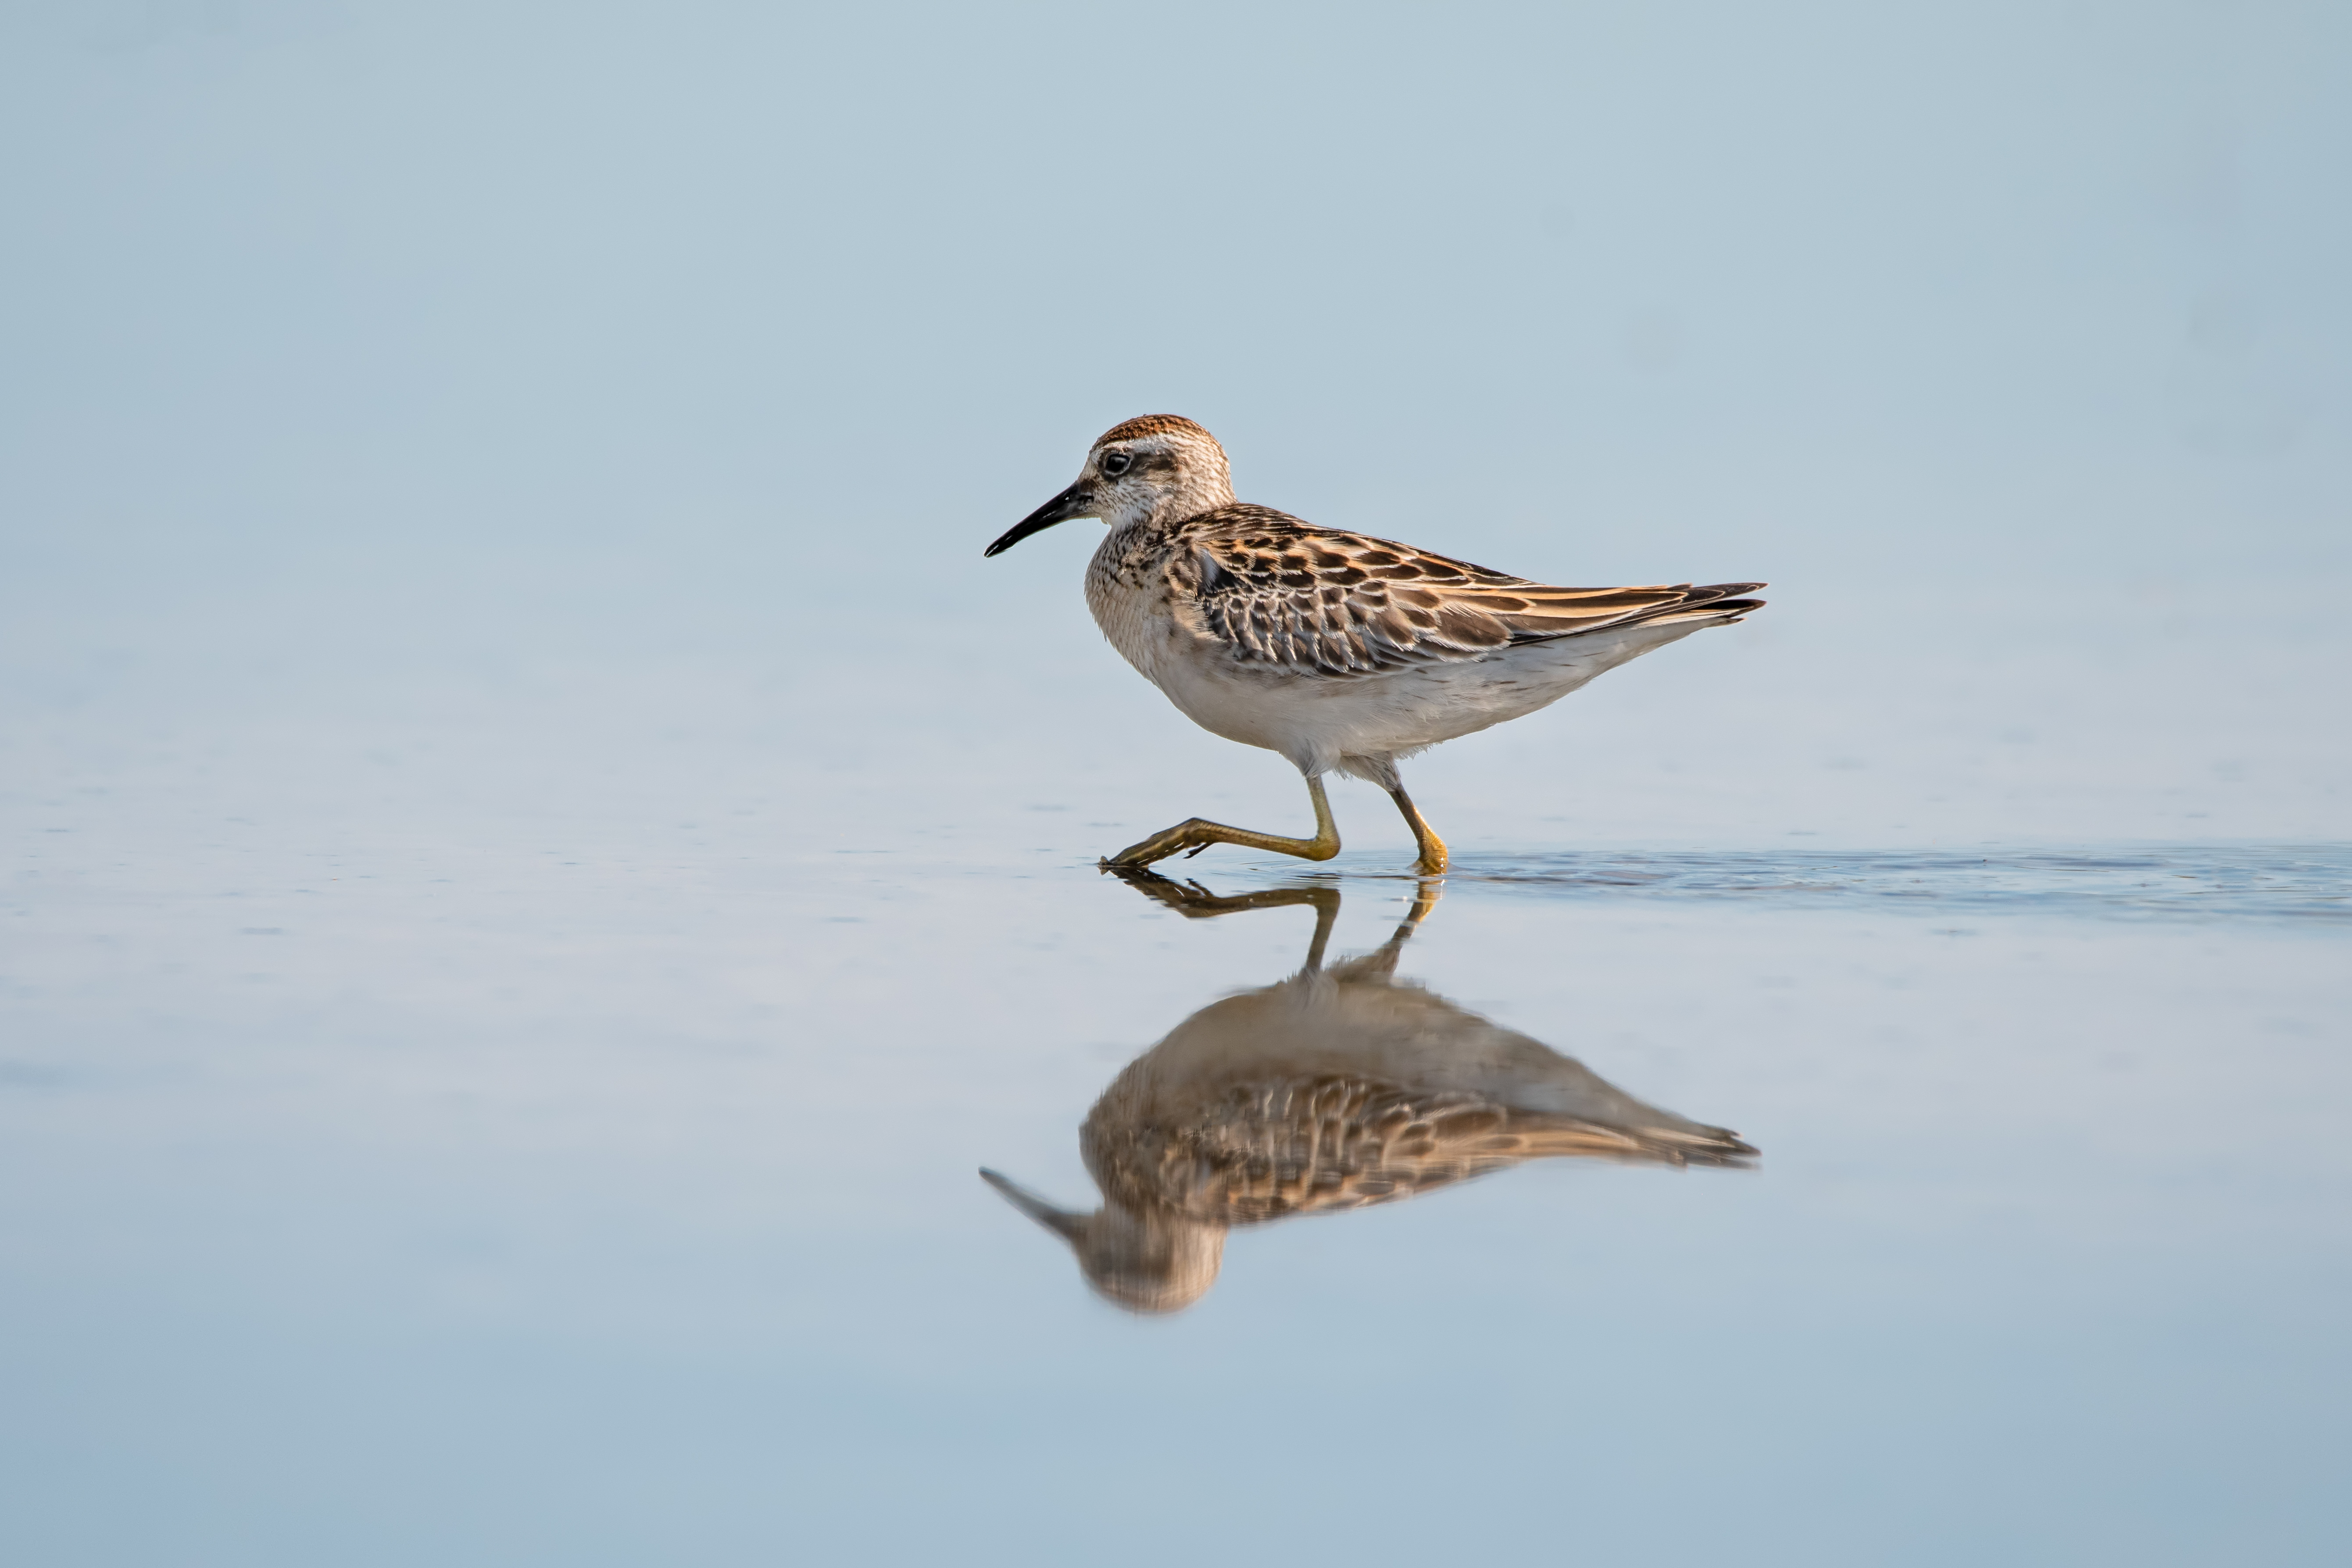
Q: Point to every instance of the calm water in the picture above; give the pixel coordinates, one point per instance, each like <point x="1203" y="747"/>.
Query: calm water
<point x="589" y="1185"/>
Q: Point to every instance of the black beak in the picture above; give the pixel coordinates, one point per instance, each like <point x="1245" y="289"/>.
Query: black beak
<point x="1076" y="502"/>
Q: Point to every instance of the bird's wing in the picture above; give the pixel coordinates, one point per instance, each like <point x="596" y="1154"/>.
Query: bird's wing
<point x="1277" y="591"/>
<point x="1321" y="1144"/>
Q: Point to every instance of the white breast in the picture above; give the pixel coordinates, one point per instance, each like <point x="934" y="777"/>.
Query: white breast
<point x="1135" y="617"/>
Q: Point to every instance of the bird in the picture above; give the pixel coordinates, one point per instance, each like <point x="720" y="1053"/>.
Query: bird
<point x="1336" y="649"/>
<point x="1333" y="1089"/>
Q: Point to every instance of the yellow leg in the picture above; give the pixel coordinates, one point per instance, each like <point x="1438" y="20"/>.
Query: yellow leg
<point x="1199" y="833"/>
<point x="1432" y="847"/>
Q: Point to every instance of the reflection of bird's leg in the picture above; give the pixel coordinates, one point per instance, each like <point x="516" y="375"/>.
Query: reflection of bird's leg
<point x="1432" y="847"/>
<point x="1382" y="960"/>
<point x="1424" y="898"/>
<point x="1195" y="903"/>
<point x="1199" y="833"/>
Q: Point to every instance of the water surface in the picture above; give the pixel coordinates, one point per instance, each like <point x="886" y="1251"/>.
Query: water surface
<point x="627" y="1209"/>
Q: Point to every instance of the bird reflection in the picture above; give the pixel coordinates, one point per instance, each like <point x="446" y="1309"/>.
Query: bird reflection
<point x="1335" y="1088"/>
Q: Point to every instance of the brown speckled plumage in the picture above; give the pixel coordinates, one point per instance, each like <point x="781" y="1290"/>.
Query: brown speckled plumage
<point x="1151" y="424"/>
<point x="1280" y="592"/>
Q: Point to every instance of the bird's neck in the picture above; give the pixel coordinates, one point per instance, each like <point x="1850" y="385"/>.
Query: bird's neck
<point x="1172" y="507"/>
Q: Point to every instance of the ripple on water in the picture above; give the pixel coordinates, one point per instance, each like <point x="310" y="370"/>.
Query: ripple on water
<point x="2191" y="882"/>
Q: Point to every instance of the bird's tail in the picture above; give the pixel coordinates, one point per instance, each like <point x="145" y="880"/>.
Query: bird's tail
<point x="1718" y="604"/>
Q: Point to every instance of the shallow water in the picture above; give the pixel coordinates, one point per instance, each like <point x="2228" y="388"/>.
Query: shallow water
<point x="614" y="1187"/>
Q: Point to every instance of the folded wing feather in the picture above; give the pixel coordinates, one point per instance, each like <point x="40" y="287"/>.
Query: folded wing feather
<point x="1280" y="592"/>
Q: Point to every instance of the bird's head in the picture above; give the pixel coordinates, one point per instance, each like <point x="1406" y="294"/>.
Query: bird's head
<point x="1160" y="464"/>
<point x="1152" y="1263"/>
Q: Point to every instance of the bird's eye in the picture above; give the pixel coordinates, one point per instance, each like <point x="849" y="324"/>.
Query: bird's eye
<point x="1116" y="463"/>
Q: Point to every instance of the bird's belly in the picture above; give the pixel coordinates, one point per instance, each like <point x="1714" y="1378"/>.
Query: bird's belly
<point x="1317" y="720"/>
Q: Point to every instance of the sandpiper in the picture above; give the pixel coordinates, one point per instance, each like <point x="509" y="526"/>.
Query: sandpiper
<point x="1336" y="649"/>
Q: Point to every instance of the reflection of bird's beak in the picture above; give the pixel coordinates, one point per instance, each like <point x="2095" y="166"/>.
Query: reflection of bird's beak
<point x="1076" y="502"/>
<point x="1061" y="1222"/>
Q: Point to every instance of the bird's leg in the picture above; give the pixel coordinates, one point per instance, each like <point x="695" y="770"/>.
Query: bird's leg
<point x="1199" y="833"/>
<point x="1432" y="847"/>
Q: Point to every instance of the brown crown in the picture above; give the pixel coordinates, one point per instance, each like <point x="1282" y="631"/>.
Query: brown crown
<point x="1153" y="425"/>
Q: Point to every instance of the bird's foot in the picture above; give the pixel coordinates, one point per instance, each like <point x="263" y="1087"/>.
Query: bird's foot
<point x="1191" y="837"/>
<point x="1432" y="848"/>
<point x="1175" y="840"/>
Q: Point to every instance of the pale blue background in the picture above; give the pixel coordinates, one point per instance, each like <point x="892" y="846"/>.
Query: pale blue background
<point x="540" y="857"/>
<point x="2011" y="342"/>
